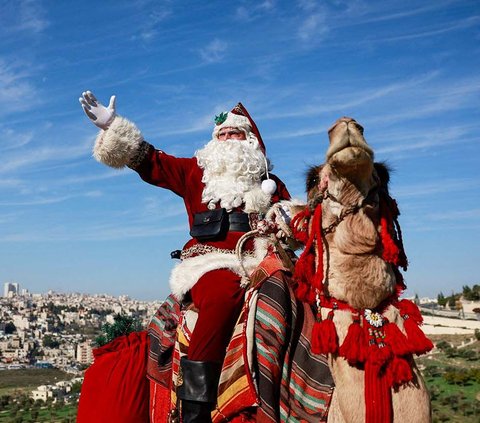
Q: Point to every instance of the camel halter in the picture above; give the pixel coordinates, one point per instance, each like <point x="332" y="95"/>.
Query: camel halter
<point x="273" y="221"/>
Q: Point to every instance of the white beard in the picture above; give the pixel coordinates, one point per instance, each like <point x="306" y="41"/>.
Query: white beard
<point x="232" y="173"/>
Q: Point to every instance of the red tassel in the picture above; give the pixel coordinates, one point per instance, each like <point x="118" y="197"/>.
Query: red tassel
<point x="390" y="250"/>
<point x="378" y="356"/>
<point x="408" y="309"/>
<point x="324" y="336"/>
<point x="400" y="371"/>
<point x="354" y="346"/>
<point x="396" y="339"/>
<point x="299" y="225"/>
<point x="317" y="281"/>
<point x="400" y="283"/>
<point x="419" y="343"/>
<point x="301" y="291"/>
<point x="316" y="338"/>
<point x="306" y="270"/>
<point x="305" y="293"/>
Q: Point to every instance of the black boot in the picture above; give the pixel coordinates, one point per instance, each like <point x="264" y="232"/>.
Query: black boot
<point x="197" y="389"/>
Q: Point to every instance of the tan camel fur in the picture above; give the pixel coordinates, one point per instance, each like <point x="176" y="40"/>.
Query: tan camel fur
<point x="354" y="271"/>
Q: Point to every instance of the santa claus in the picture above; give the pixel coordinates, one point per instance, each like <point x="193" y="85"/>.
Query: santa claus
<point x="226" y="188"/>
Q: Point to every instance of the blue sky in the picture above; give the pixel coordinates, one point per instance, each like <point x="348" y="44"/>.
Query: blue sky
<point x="407" y="70"/>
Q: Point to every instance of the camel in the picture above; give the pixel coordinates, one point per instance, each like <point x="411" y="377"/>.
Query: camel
<point x="349" y="271"/>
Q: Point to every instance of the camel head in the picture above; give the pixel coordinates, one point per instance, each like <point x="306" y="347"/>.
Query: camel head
<point x="349" y="154"/>
<point x="349" y="159"/>
<point x="352" y="191"/>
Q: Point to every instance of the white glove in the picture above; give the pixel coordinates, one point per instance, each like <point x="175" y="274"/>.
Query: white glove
<point x="99" y="114"/>
<point x="285" y="213"/>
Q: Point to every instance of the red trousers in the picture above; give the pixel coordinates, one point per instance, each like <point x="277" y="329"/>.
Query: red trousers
<point x="219" y="299"/>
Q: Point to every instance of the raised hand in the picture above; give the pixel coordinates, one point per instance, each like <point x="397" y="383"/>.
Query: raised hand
<point x="100" y="115"/>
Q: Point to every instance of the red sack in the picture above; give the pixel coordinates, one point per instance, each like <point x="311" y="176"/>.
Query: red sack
<point x="116" y="388"/>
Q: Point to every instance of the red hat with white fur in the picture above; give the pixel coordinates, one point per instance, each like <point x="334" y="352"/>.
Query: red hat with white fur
<point x="238" y="118"/>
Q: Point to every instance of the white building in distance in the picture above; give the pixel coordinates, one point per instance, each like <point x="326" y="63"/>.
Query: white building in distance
<point x="11" y="289"/>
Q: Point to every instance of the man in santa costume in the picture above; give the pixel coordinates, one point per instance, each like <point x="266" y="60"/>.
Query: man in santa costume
<point x="226" y="189"/>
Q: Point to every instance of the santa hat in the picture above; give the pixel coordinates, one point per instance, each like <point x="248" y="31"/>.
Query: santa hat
<point x="238" y="118"/>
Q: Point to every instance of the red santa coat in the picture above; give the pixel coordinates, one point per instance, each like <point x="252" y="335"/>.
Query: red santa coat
<point x="183" y="176"/>
<point x="123" y="144"/>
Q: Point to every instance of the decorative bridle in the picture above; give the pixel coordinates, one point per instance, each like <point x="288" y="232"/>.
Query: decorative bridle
<point x="346" y="211"/>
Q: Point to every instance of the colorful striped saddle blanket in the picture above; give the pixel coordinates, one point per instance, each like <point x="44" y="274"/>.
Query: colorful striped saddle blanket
<point x="269" y="372"/>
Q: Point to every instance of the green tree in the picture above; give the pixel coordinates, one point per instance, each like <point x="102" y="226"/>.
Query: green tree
<point x="34" y="413"/>
<point x="432" y="371"/>
<point x="10" y="328"/>
<point x="443" y="345"/>
<point x="76" y="387"/>
<point x="471" y="294"/>
<point x="457" y="377"/>
<point x="469" y="355"/>
<point x="441" y="299"/>
<point x="123" y="325"/>
<point x="14" y="410"/>
<point x="451" y="301"/>
<point x="49" y="342"/>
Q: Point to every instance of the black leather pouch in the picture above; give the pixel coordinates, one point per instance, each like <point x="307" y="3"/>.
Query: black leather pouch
<point x="210" y="225"/>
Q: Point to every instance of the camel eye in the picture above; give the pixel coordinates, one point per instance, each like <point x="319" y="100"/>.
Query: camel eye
<point x="313" y="178"/>
<point x="312" y="183"/>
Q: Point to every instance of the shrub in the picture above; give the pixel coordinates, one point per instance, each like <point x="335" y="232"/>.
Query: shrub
<point x="123" y="325"/>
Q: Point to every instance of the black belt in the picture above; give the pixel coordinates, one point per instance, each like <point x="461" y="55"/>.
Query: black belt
<point x="239" y="222"/>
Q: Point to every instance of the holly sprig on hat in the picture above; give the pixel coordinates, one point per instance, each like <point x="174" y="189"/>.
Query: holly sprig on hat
<point x="222" y="117"/>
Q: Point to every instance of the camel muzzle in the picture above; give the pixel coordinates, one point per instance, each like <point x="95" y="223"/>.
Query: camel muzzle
<point x="347" y="133"/>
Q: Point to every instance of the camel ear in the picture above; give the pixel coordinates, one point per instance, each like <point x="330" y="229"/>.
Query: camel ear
<point x="313" y="179"/>
<point x="383" y="173"/>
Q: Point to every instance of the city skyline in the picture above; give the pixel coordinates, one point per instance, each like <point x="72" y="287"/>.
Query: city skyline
<point x="406" y="70"/>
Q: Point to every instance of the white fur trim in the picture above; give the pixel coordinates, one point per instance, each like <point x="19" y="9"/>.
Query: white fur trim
<point x="119" y="144"/>
<point x="186" y="274"/>
<point x="233" y="121"/>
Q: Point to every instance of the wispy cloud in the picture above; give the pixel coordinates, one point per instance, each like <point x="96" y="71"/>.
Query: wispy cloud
<point x="254" y="11"/>
<point x="313" y="28"/>
<point x="410" y="141"/>
<point x="31" y="16"/>
<point x="366" y="13"/>
<point x="17" y="93"/>
<point x="437" y="187"/>
<point x="40" y="201"/>
<point x="458" y="215"/>
<point x="156" y="206"/>
<point x="443" y="96"/>
<point x="462" y="24"/>
<point x="94" y="233"/>
<point x="12" y="139"/>
<point x="313" y="22"/>
<point x="214" y="51"/>
<point x="23" y="16"/>
<point x="83" y="179"/>
<point x="150" y="28"/>
<point x="43" y="155"/>
<point x="360" y="97"/>
<point x="10" y="183"/>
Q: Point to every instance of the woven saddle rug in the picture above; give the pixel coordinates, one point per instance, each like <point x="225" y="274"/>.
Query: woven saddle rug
<point x="269" y="373"/>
